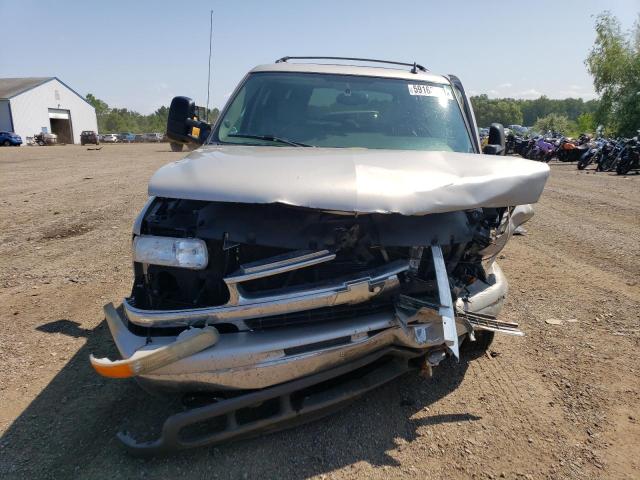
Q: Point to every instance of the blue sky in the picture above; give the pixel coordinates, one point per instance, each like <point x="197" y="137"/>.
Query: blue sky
<point x="139" y="54"/>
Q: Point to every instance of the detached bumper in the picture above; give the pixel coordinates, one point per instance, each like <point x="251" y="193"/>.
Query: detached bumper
<point x="260" y="359"/>
<point x="255" y="360"/>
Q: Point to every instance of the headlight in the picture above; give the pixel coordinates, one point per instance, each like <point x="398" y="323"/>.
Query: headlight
<point x="171" y="252"/>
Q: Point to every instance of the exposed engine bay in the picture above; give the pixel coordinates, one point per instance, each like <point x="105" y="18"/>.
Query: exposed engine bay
<point x="241" y="235"/>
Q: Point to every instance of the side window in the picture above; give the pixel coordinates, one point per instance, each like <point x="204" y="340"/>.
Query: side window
<point x="235" y="114"/>
<point x="460" y="98"/>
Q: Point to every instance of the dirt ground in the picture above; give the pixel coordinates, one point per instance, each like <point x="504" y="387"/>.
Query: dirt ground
<point x="561" y="402"/>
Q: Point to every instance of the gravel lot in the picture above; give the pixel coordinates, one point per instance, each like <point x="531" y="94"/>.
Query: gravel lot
<point x="562" y="402"/>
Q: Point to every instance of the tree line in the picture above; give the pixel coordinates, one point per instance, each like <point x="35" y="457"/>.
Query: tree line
<point x="512" y="111"/>
<point x="117" y="120"/>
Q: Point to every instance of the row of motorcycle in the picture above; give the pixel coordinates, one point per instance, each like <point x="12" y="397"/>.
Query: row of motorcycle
<point x="620" y="155"/>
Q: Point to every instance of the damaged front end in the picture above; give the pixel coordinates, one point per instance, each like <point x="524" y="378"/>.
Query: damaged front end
<point x="337" y="228"/>
<point x="300" y="296"/>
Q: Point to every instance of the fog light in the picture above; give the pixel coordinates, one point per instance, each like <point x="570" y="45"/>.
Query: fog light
<point x="171" y="252"/>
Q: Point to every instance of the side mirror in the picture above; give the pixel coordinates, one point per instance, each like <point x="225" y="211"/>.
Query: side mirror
<point x="496" y="144"/>
<point x="183" y="123"/>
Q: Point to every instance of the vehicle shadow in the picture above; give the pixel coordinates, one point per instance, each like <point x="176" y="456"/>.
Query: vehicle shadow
<point x="68" y="430"/>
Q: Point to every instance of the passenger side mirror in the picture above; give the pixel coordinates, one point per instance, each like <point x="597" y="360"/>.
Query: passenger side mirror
<point x="184" y="124"/>
<point x="496" y="144"/>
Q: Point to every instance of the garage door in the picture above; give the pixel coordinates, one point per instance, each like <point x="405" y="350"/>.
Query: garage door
<point x="59" y="114"/>
<point x="60" y="121"/>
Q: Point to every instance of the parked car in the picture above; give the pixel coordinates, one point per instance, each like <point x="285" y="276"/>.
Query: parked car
<point x="152" y="137"/>
<point x="138" y="138"/>
<point x="89" y="136"/>
<point x="126" y="137"/>
<point x="10" y="139"/>
<point x="284" y="280"/>
<point x="518" y="129"/>
<point x="43" y="139"/>
<point x="110" y="138"/>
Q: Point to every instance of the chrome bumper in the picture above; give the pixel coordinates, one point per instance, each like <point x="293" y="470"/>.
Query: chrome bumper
<point x="242" y="305"/>
<point x="258" y="359"/>
<point x="253" y="360"/>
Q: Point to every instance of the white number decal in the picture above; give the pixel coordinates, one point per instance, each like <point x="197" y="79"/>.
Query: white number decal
<point x="429" y="91"/>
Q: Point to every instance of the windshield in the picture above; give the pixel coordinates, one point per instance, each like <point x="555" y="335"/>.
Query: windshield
<point x="321" y="110"/>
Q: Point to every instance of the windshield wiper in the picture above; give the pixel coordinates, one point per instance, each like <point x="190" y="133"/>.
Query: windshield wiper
<point x="270" y="138"/>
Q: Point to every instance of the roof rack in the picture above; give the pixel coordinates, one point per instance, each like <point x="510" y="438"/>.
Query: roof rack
<point x="414" y="66"/>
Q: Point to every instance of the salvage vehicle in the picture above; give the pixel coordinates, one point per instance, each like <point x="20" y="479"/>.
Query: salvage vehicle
<point x="109" y="138"/>
<point x="152" y="137"/>
<point x="337" y="227"/>
<point x="89" y="136"/>
<point x="44" y="138"/>
<point x="9" y="139"/>
<point x="126" y="137"/>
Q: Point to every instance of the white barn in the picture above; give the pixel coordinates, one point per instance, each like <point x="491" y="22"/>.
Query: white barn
<point x="44" y="104"/>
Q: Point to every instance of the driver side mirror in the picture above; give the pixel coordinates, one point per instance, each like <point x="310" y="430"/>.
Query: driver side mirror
<point x="496" y="144"/>
<point x="184" y="124"/>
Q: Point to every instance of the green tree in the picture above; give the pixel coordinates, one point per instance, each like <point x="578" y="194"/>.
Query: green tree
<point x="100" y="106"/>
<point x="554" y="123"/>
<point x="614" y="63"/>
<point x="117" y="120"/>
<point x="489" y="110"/>
<point x="510" y="111"/>
<point x="585" y="123"/>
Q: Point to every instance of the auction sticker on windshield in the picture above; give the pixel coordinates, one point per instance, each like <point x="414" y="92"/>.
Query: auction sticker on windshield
<point x="429" y="91"/>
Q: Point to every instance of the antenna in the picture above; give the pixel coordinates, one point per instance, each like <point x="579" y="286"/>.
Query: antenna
<point x="209" y="75"/>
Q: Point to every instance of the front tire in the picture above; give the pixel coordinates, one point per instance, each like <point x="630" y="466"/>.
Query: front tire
<point x="6" y="143"/>
<point x="623" y="167"/>
<point x="176" y="147"/>
<point x="484" y="339"/>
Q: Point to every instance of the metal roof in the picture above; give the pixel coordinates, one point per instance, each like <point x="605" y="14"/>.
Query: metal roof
<point x="10" y="87"/>
<point x="351" y="70"/>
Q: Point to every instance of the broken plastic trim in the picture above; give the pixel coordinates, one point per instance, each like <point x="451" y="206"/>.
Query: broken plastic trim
<point x="310" y="405"/>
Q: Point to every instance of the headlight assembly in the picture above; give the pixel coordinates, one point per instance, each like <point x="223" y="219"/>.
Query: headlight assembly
<point x="171" y="252"/>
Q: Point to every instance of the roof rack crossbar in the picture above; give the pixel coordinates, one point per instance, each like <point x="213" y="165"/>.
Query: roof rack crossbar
<point x="414" y="66"/>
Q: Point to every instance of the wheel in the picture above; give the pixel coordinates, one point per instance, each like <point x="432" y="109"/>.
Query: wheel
<point x="6" y="143"/>
<point x="176" y="147"/>
<point x="623" y="167"/>
<point x="606" y="163"/>
<point x="612" y="164"/>
<point x="584" y="162"/>
<point x="41" y="143"/>
<point x="484" y="339"/>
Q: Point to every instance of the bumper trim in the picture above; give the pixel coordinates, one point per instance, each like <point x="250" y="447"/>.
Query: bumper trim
<point x="307" y="406"/>
<point x="358" y="288"/>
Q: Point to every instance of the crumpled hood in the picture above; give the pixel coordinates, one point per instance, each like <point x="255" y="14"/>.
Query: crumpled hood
<point x="352" y="180"/>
